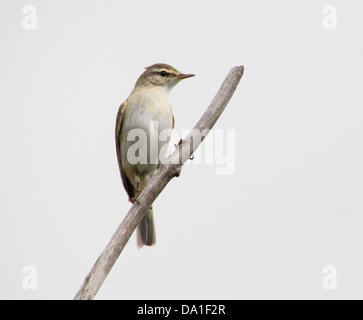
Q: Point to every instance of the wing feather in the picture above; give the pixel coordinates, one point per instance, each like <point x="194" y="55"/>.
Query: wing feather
<point x="119" y="121"/>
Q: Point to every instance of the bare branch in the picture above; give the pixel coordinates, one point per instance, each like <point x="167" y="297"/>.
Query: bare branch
<point x="166" y="172"/>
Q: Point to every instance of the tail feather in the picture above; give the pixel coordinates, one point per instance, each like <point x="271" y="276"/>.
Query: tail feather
<point x="146" y="230"/>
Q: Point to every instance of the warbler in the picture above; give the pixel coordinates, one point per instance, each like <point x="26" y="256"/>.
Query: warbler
<point x="147" y="110"/>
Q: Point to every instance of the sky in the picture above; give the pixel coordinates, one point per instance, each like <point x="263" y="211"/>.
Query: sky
<point x="270" y="208"/>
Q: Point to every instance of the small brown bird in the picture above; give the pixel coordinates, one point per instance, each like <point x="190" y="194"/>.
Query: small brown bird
<point x="145" y="114"/>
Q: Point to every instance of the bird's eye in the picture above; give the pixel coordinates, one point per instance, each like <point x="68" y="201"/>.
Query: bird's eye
<point x="163" y="73"/>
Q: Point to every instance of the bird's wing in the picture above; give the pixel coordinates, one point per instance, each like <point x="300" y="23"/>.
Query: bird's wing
<point x="126" y="182"/>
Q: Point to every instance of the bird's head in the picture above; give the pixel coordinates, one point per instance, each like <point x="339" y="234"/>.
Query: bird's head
<point x="161" y="74"/>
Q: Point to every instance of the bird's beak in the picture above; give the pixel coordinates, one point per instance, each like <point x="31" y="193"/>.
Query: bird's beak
<point x="184" y="76"/>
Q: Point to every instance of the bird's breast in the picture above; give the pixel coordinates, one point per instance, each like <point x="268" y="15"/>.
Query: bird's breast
<point x="147" y="108"/>
<point x="147" y="126"/>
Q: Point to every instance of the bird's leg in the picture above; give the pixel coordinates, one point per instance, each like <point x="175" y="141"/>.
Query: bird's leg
<point x="179" y="143"/>
<point x="136" y="198"/>
<point x="138" y="192"/>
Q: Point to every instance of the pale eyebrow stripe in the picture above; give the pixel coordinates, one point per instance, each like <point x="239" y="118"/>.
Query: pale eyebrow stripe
<point x="166" y="70"/>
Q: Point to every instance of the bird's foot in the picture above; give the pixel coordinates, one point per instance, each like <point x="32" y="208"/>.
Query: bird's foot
<point x="136" y="197"/>
<point x="179" y="143"/>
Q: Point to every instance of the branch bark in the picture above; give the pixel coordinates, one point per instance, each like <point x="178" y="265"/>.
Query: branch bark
<point x="166" y="172"/>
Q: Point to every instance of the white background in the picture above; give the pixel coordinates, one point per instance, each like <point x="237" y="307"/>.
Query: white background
<point x="293" y="204"/>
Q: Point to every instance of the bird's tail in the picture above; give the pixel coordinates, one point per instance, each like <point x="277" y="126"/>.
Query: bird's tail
<point x="146" y="230"/>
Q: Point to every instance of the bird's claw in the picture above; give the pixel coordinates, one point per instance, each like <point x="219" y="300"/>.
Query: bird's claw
<point x="179" y="143"/>
<point x="136" y="197"/>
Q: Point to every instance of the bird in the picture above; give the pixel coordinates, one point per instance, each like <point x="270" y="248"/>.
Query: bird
<point x="145" y="114"/>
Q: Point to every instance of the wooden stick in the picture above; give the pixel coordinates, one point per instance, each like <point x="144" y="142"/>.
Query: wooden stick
<point x="166" y="172"/>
